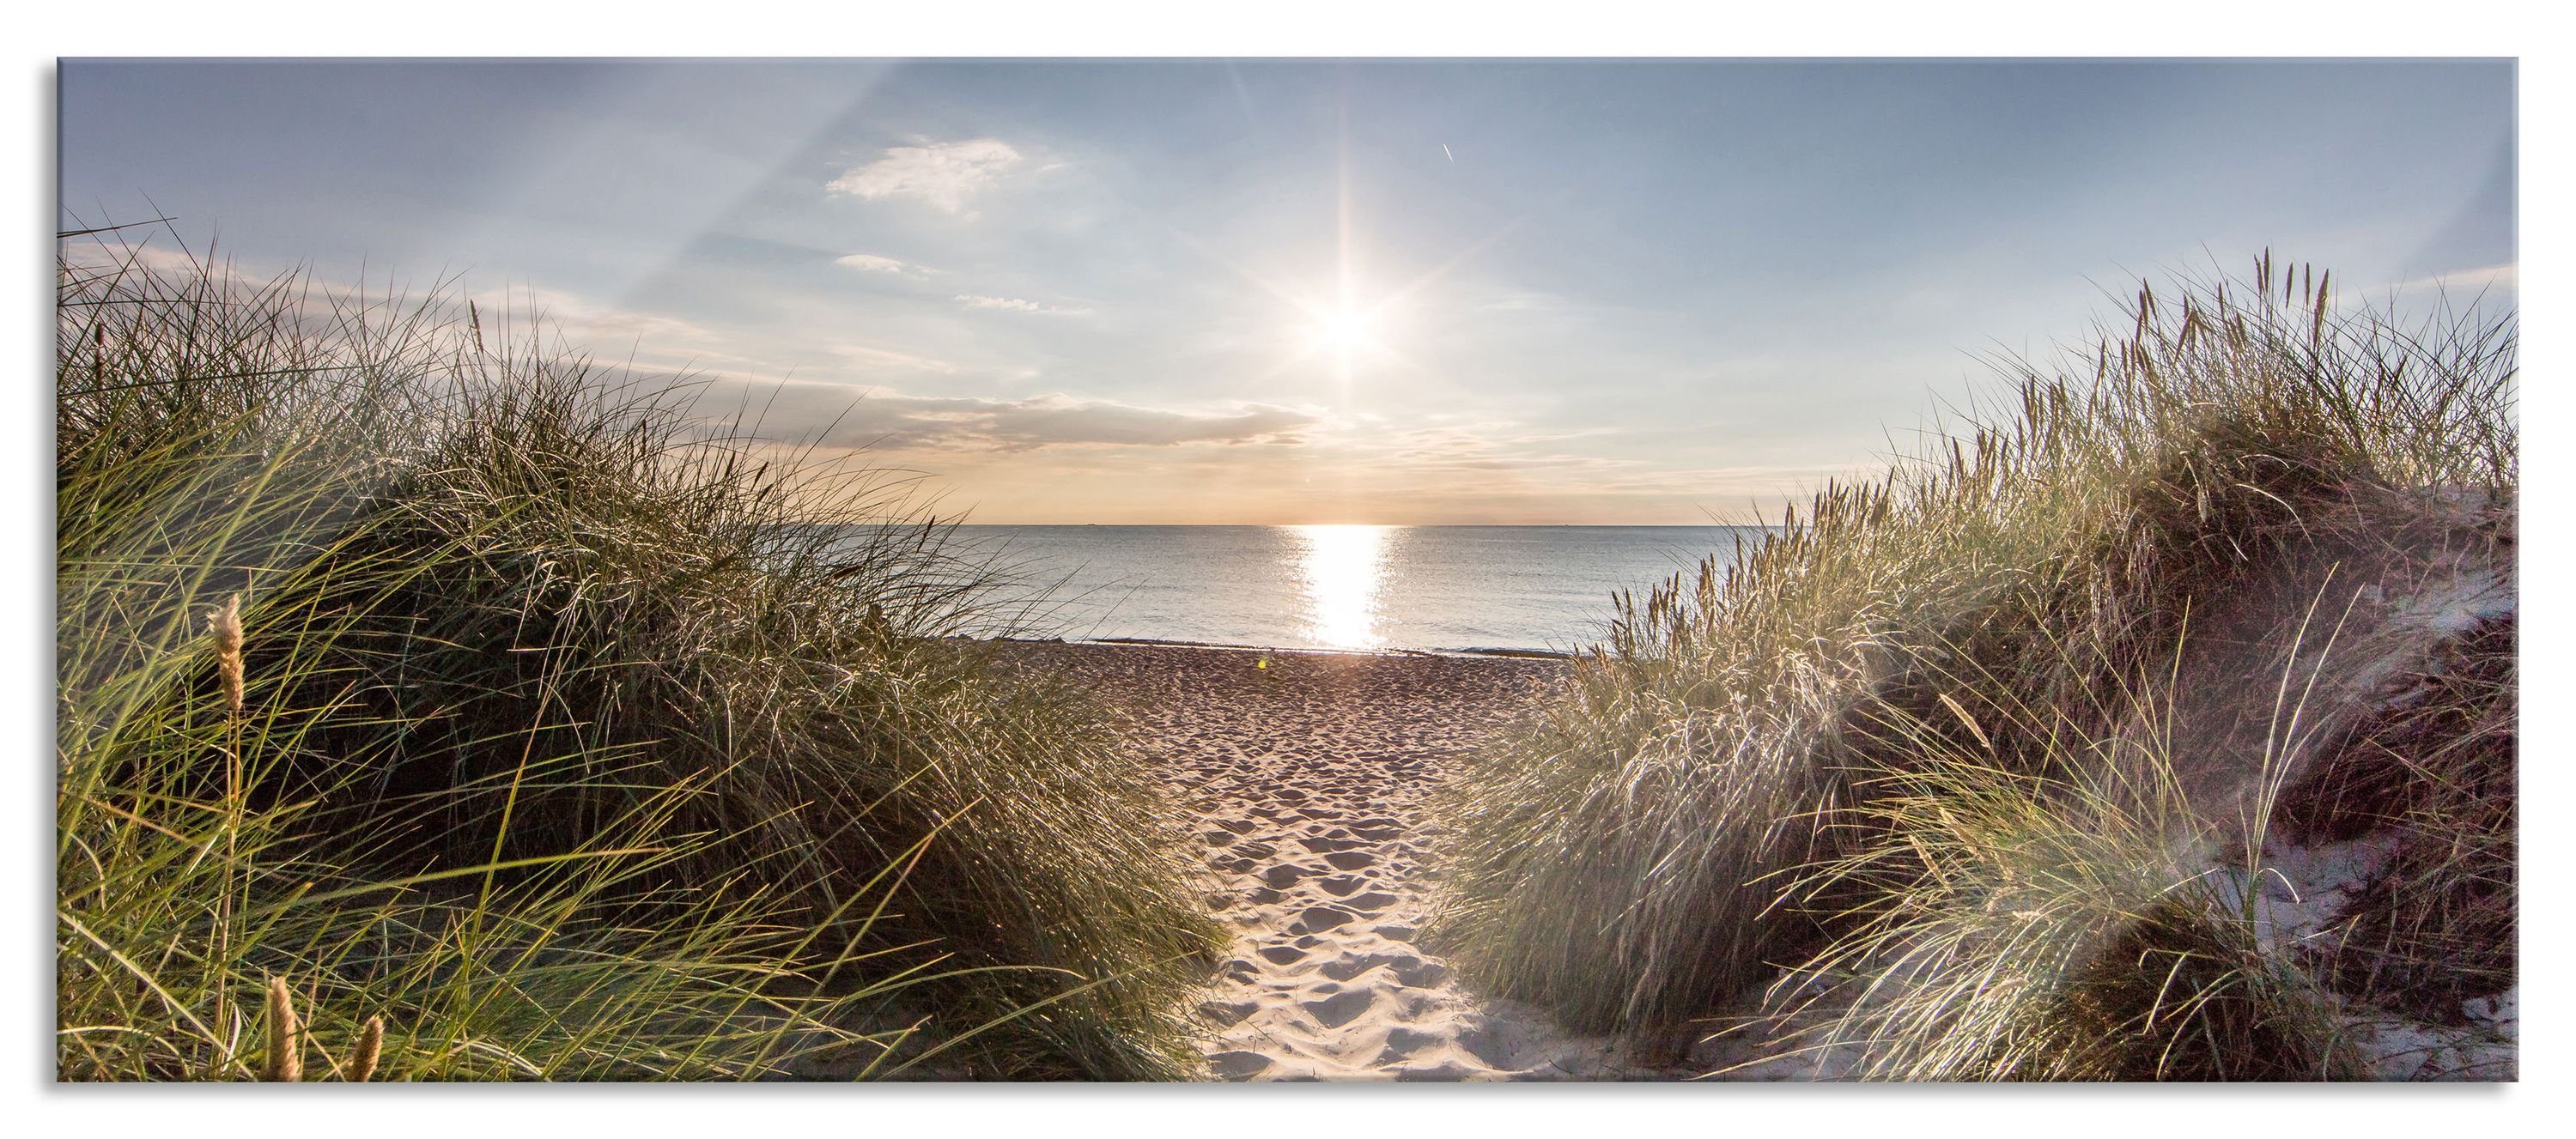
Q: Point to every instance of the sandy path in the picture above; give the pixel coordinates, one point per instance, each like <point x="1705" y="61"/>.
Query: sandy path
<point x="1309" y="776"/>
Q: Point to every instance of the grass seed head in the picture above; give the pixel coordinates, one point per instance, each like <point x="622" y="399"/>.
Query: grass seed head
<point x="225" y="624"/>
<point x="371" y="1044"/>
<point x="285" y="1043"/>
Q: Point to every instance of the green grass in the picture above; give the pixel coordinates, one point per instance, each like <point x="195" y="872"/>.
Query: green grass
<point x="577" y="738"/>
<point x="2040" y="669"/>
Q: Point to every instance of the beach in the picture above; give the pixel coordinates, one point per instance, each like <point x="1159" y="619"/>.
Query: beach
<point x="1173" y="570"/>
<point x="1307" y="774"/>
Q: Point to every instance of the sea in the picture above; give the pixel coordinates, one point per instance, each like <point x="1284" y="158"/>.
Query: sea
<point x="1364" y="588"/>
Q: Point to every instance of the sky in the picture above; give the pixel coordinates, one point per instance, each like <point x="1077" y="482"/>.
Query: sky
<point x="1261" y="291"/>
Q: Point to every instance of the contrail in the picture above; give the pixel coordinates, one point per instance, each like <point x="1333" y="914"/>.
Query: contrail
<point x="1444" y="149"/>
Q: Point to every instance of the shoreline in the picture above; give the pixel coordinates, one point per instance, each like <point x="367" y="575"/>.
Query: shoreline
<point x="1467" y="653"/>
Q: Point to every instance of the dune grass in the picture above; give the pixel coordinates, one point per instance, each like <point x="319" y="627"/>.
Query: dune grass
<point x="462" y="685"/>
<point x="1949" y="762"/>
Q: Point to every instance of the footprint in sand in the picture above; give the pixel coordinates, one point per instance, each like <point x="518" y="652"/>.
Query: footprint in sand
<point x="1238" y="1064"/>
<point x="1319" y="918"/>
<point x="1446" y="1071"/>
<point x="1349" y="967"/>
<point x="1416" y="973"/>
<point x="1224" y="1013"/>
<point x="1340" y="1008"/>
<point x="1286" y="874"/>
<point x="1402" y="1043"/>
<point x="1370" y="902"/>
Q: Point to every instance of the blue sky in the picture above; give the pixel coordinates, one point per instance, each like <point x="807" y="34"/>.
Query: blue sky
<point x="1263" y="291"/>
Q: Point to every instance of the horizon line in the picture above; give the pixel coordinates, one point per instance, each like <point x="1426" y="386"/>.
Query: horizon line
<point x="1404" y="525"/>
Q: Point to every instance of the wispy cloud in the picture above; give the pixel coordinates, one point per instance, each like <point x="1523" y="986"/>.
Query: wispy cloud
<point x="891" y="420"/>
<point x="1015" y="304"/>
<point x="943" y="174"/>
<point x="872" y="357"/>
<point x="2506" y="278"/>
<point x="590" y="325"/>
<point x="873" y="263"/>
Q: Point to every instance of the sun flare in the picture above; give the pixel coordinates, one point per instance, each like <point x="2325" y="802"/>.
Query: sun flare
<point x="1341" y="330"/>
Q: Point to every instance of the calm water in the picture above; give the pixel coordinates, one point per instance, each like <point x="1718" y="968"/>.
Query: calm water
<point x="1351" y="587"/>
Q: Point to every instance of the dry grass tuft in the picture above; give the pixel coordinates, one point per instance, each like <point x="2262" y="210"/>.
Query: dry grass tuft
<point x="583" y="738"/>
<point x="1957" y="749"/>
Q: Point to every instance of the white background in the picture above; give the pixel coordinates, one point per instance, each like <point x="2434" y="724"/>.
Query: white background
<point x="1313" y="27"/>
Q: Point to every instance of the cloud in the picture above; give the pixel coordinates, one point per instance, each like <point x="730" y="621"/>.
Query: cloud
<point x="1059" y="419"/>
<point x="834" y="415"/>
<point x="2506" y="278"/>
<point x="943" y="174"/>
<point x="872" y="263"/>
<point x="102" y="252"/>
<point x="636" y="340"/>
<point x="1015" y="304"/>
<point x="871" y="356"/>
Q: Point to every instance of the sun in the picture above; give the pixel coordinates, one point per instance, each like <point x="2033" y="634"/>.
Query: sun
<point x="1348" y="339"/>
<point x="1340" y="331"/>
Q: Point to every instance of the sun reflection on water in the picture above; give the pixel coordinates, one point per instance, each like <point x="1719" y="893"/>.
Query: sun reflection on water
<point x="1343" y="568"/>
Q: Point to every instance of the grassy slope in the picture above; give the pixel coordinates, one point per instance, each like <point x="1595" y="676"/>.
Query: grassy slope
<point x="564" y="743"/>
<point x="2054" y="671"/>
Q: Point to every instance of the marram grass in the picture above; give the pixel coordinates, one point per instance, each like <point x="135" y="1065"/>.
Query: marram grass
<point x="458" y="710"/>
<point x="1818" y="769"/>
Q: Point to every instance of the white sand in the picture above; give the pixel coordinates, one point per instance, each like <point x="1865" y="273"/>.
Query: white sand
<point x="1309" y="776"/>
